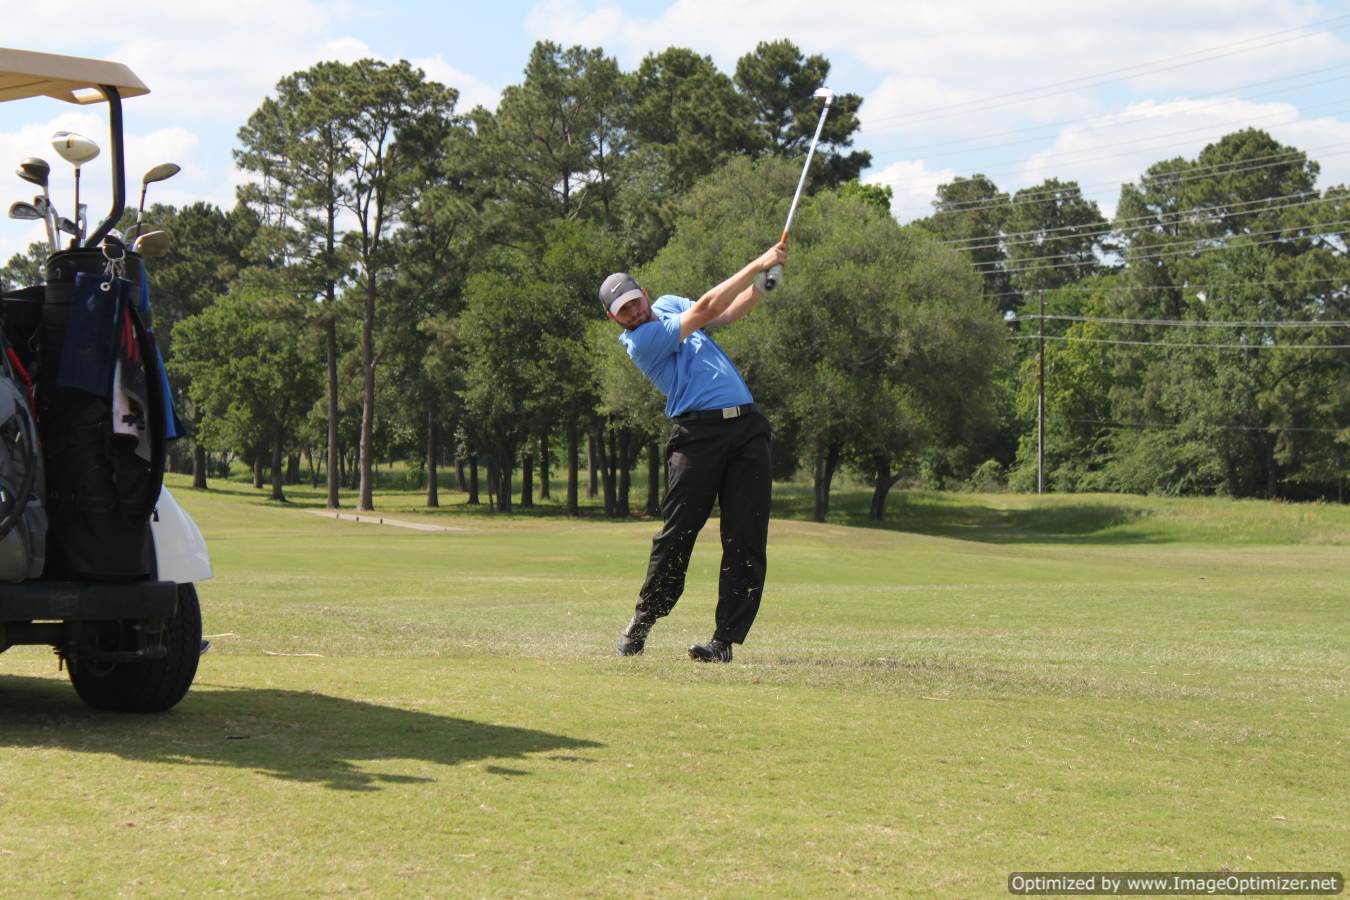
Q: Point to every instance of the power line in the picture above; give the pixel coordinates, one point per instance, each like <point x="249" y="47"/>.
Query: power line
<point x="1126" y="289"/>
<point x="1141" y="257"/>
<point x="1186" y="346"/>
<point x="1195" y="173"/>
<point x="1102" y="117"/>
<point x="1070" y="156"/>
<point x="1200" y="427"/>
<point x="1149" y="68"/>
<point x="1198" y="323"/>
<point x="1189" y="217"/>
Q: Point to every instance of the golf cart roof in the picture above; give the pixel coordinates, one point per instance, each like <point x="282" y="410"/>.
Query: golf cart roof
<point x="73" y="79"/>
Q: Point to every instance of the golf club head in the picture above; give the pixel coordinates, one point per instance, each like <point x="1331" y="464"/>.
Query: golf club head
<point x="825" y="94"/>
<point x="75" y="149"/>
<point x="34" y="171"/>
<point x="25" y="211"/>
<point x="161" y="172"/>
<point x="68" y="227"/>
<point x="152" y="244"/>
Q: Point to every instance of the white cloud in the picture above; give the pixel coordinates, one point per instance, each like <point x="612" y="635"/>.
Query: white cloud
<point x="472" y="91"/>
<point x="913" y="187"/>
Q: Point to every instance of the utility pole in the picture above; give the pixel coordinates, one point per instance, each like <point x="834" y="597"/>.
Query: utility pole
<point x="1040" y="406"/>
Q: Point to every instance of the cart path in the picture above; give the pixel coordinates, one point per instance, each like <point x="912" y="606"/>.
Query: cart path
<point x="377" y="519"/>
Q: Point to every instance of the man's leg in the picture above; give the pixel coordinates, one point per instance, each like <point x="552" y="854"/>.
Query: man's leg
<point x="747" y="487"/>
<point x="694" y="462"/>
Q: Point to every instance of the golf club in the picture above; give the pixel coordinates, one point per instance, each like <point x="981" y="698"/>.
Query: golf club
<point x="36" y="171"/>
<point x="25" y="211"/>
<point x="152" y="244"/>
<point x="157" y="173"/>
<point x="77" y="150"/>
<point x="64" y="225"/>
<point x="82" y="220"/>
<point x="44" y="206"/>
<point x="774" y="276"/>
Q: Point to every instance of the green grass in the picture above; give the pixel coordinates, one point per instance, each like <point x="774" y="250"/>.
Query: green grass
<point x="981" y="684"/>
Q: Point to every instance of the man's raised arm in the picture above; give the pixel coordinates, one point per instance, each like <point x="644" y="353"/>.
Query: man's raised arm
<point x="720" y="299"/>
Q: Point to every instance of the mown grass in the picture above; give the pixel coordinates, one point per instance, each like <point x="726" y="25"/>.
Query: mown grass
<point x="980" y="684"/>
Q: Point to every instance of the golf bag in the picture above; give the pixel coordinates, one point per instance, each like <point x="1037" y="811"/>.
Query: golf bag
<point x="102" y="416"/>
<point x="23" y="519"/>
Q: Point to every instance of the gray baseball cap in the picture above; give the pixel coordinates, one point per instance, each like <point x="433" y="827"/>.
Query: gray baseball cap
<point x="617" y="290"/>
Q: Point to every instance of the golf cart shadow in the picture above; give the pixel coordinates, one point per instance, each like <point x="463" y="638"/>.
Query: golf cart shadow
<point x="291" y="735"/>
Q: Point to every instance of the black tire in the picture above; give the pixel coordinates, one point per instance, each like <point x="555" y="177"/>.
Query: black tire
<point x="152" y="686"/>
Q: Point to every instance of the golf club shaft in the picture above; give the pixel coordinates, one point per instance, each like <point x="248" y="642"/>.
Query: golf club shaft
<point x="801" y="182"/>
<point x="140" y="209"/>
<point x="775" y="275"/>
<point x="49" y="220"/>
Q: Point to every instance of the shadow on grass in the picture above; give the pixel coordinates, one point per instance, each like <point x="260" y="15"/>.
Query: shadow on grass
<point x="953" y="516"/>
<point x="292" y="735"/>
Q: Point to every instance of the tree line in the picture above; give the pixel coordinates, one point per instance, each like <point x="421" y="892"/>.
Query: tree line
<point x="403" y="280"/>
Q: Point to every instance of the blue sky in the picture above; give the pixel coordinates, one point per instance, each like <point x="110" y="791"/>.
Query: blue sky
<point x="1090" y="91"/>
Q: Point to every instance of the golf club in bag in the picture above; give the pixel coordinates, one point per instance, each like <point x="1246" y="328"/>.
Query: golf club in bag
<point x="772" y="278"/>
<point x="36" y="171"/>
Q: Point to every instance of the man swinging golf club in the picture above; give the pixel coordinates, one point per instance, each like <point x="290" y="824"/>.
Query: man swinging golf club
<point x="718" y="449"/>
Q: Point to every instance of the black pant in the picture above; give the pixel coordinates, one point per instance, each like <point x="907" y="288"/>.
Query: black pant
<point x="725" y="460"/>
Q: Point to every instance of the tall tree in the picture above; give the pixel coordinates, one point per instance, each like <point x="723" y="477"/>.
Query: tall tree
<point x="555" y="140"/>
<point x="970" y="215"/>
<point x="1054" y="236"/>
<point x="780" y="84"/>
<point x="379" y="103"/>
<point x="298" y="147"/>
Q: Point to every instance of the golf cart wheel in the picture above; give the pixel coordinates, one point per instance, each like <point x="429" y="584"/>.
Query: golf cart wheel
<point x="152" y="685"/>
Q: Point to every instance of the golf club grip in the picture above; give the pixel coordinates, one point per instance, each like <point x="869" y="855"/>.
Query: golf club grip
<point x="773" y="277"/>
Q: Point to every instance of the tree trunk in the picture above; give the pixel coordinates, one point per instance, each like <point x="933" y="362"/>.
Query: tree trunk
<point x="313" y="472"/>
<point x="527" y="482"/>
<point x="625" y="474"/>
<point x="505" y="468"/>
<point x="572" y="440"/>
<point x="460" y="478"/>
<point x="654" y="478"/>
<point x="1271" y="483"/>
<point x="885" y="480"/>
<point x="277" y="472"/>
<point x="258" y="467"/>
<point x="199" y="467"/>
<point x="544" y="465"/>
<point x="826" y="463"/>
<point x="608" y="470"/>
<point x="330" y="350"/>
<point x="594" y="460"/>
<point x="492" y="480"/>
<point x="367" y="491"/>
<point x="473" y="480"/>
<point x="293" y="468"/>
<point x="433" y="457"/>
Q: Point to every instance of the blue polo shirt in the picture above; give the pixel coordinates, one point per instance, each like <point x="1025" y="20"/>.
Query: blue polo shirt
<point x="694" y="373"/>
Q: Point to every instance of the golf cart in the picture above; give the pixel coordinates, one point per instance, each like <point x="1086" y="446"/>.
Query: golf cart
<point x="96" y="558"/>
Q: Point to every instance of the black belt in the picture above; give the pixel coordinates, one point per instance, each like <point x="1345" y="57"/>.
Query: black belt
<point x="710" y="415"/>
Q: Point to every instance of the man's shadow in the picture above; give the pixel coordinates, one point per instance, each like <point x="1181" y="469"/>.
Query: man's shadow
<point x="294" y="735"/>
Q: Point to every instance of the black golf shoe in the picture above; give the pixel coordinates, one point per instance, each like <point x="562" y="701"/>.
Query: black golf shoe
<point x="713" y="651"/>
<point x="634" y="637"/>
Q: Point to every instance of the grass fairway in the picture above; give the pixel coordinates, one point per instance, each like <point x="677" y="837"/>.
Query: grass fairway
<point x="989" y="684"/>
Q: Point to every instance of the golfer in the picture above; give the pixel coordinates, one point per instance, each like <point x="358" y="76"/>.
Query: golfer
<point x="718" y="449"/>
